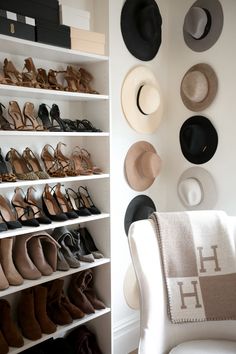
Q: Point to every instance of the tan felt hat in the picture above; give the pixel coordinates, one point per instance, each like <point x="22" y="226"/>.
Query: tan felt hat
<point x="141" y="100"/>
<point x="199" y="87"/>
<point x="142" y="165"/>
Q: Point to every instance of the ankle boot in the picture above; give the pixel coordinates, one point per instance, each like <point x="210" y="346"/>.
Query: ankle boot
<point x="3" y="280"/>
<point x="13" y="277"/>
<point x="73" y="310"/>
<point x="90" y="292"/>
<point x="56" y="311"/>
<point x="26" y="315"/>
<point x="4" y="349"/>
<point x="8" y="327"/>
<point x="40" y="304"/>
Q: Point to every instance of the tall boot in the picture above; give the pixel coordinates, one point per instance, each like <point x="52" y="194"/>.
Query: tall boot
<point x="3" y="280"/>
<point x="26" y="315"/>
<point x="13" y="277"/>
<point x="90" y="292"/>
<point x="8" y="327"/>
<point x="73" y="310"/>
<point x="4" y="349"/>
<point x="40" y="304"/>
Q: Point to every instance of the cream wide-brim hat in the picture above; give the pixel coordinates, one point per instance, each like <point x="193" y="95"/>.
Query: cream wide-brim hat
<point x="199" y="87"/>
<point x="197" y="189"/>
<point x="142" y="165"/>
<point x="131" y="289"/>
<point x="141" y="100"/>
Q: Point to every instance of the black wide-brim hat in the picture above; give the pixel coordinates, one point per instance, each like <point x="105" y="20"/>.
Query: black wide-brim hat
<point x="140" y="208"/>
<point x="141" y="23"/>
<point x="198" y="139"/>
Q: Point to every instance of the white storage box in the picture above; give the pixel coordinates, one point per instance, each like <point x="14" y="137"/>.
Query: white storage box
<point x="87" y="41"/>
<point x="73" y="17"/>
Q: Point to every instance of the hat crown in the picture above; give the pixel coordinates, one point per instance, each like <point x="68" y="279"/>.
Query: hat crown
<point x="147" y="22"/>
<point x="195" y="22"/>
<point x="190" y="192"/>
<point x="195" y="138"/>
<point x="195" y="86"/>
<point x="149" y="164"/>
<point x="148" y="99"/>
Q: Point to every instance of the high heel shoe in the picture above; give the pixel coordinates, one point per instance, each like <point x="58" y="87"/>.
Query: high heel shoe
<point x="4" y="124"/>
<point x="19" y="166"/>
<point x="30" y="77"/>
<point x="85" y="79"/>
<point x="89" y="242"/>
<point x="72" y="76"/>
<point x="17" y="117"/>
<point x="38" y="212"/>
<point x="7" y="214"/>
<point x="66" y="163"/>
<point x="81" y="168"/>
<point x="44" y="116"/>
<point x="50" y="206"/>
<point x="42" y="78"/>
<point x="25" y="213"/>
<point x="28" y="113"/>
<point x="86" y="159"/>
<point x="32" y="160"/>
<point x="52" y="165"/>
<point x="75" y="203"/>
<point x="87" y="200"/>
<point x="63" y="202"/>
<point x="52" y="79"/>
<point x="4" y="173"/>
<point x="55" y="115"/>
<point x="89" y="126"/>
<point x="11" y="73"/>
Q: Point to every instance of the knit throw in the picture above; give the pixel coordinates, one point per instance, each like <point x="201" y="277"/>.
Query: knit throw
<point x="199" y="265"/>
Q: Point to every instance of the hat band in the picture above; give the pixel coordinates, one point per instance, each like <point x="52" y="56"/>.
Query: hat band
<point x="208" y="26"/>
<point x="138" y="96"/>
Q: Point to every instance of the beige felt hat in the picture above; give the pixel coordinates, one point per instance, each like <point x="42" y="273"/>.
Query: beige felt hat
<point x="199" y="87"/>
<point x="142" y="165"/>
<point x="141" y="100"/>
<point x="131" y="289"/>
<point x="197" y="189"/>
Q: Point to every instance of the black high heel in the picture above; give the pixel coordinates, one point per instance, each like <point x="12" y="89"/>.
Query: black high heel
<point x="5" y="175"/>
<point x="50" y="206"/>
<point x="86" y="200"/>
<point x="75" y="203"/>
<point x="89" y="242"/>
<point x="89" y="126"/>
<point x="55" y="115"/>
<point x="43" y="114"/>
<point x="38" y="212"/>
<point x="4" y="124"/>
<point x="63" y="202"/>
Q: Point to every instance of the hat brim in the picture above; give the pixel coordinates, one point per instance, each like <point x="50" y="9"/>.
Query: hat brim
<point x="142" y="203"/>
<point x="212" y="80"/>
<point x="140" y="122"/>
<point x="135" y="181"/>
<point x="208" y="187"/>
<point x="214" y="7"/>
<point x="130" y="288"/>
<point x="205" y="155"/>
<point x="138" y="46"/>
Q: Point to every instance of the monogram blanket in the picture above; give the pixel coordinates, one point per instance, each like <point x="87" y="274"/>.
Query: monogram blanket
<point x="199" y="265"/>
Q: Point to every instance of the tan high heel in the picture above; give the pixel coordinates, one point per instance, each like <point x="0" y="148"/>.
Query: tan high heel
<point x="66" y="163"/>
<point x="11" y="73"/>
<point x="80" y="167"/>
<point x="86" y="158"/>
<point x="32" y="160"/>
<point x="30" y="77"/>
<point x="52" y="79"/>
<point x="72" y="76"/>
<point x="85" y="80"/>
<point x="16" y="116"/>
<point x="42" y="78"/>
<point x="28" y="112"/>
<point x="19" y="166"/>
<point x="52" y="165"/>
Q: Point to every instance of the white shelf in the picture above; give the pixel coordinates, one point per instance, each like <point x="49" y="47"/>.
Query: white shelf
<point x="58" y="274"/>
<point x="37" y="93"/>
<point x="19" y="46"/>
<point x="57" y="134"/>
<point x="38" y="182"/>
<point x="26" y="229"/>
<point x="60" y="330"/>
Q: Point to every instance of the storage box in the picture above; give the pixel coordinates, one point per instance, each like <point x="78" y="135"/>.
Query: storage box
<point x="87" y="41"/>
<point x="15" y="25"/>
<point x="40" y="9"/>
<point x="74" y="17"/>
<point x="50" y="33"/>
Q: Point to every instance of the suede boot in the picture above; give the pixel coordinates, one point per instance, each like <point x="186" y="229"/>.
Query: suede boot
<point x="73" y="310"/>
<point x="40" y="304"/>
<point x="90" y="292"/>
<point x="4" y="349"/>
<point x="13" y="277"/>
<point x="26" y="315"/>
<point x="8" y="327"/>
<point x="3" y="280"/>
<point x="56" y="311"/>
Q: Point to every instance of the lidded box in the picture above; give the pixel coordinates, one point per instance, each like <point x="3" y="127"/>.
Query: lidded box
<point x="73" y="17"/>
<point x="87" y="41"/>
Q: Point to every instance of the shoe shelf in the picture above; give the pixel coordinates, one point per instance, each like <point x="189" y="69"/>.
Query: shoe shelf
<point x="56" y="275"/>
<point x="56" y="134"/>
<point x="27" y="230"/>
<point x="19" y="46"/>
<point x="60" y="330"/>
<point x="38" y="182"/>
<point x="38" y="93"/>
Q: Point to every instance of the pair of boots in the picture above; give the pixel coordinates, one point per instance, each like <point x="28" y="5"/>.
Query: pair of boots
<point x="82" y="340"/>
<point x="9" y="333"/>
<point x="81" y="292"/>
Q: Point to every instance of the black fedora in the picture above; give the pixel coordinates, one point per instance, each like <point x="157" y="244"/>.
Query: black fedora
<point x="141" y="28"/>
<point x="198" y="139"/>
<point x="140" y="208"/>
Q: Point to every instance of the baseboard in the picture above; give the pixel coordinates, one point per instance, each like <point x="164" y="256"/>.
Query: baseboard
<point x="126" y="335"/>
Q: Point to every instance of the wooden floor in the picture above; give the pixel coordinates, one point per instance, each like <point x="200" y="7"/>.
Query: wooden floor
<point x="134" y="352"/>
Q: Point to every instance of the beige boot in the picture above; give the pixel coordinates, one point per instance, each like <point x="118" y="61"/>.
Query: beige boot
<point x="13" y="277"/>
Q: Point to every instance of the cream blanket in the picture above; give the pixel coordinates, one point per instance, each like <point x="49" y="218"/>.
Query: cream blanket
<point x="199" y="264"/>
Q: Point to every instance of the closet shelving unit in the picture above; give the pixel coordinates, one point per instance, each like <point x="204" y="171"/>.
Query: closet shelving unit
<point x="95" y="108"/>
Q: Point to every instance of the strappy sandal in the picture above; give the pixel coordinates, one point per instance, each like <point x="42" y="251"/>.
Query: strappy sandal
<point x="24" y="211"/>
<point x="43" y="114"/>
<point x="28" y="112"/>
<point x="11" y="73"/>
<point x="56" y="115"/>
<point x="75" y="203"/>
<point x="38" y="211"/>
<point x="50" y="206"/>
<point x="89" y="126"/>
<point x="32" y="160"/>
<point x="87" y="200"/>
<point x="19" y="166"/>
<point x="86" y="157"/>
<point x="4" y="173"/>
<point x="42" y="78"/>
<point x="66" y="163"/>
<point x="72" y="76"/>
<point x="17" y="117"/>
<point x="30" y="77"/>
<point x="52" y="79"/>
<point x="81" y="167"/>
<point x="4" y="124"/>
<point x="52" y="165"/>
<point x="63" y="202"/>
<point x="85" y="79"/>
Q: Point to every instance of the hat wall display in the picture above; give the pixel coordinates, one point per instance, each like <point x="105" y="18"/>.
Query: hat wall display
<point x="141" y="100"/>
<point x="141" y="28"/>
<point x="203" y="24"/>
<point x="142" y="165"/>
<point x="140" y="208"/>
<point x="197" y="189"/>
<point x="131" y="289"/>
<point x="198" y="139"/>
<point x="199" y="87"/>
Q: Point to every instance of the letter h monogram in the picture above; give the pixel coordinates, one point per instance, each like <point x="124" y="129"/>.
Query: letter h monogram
<point x="212" y="258"/>
<point x="193" y="294"/>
